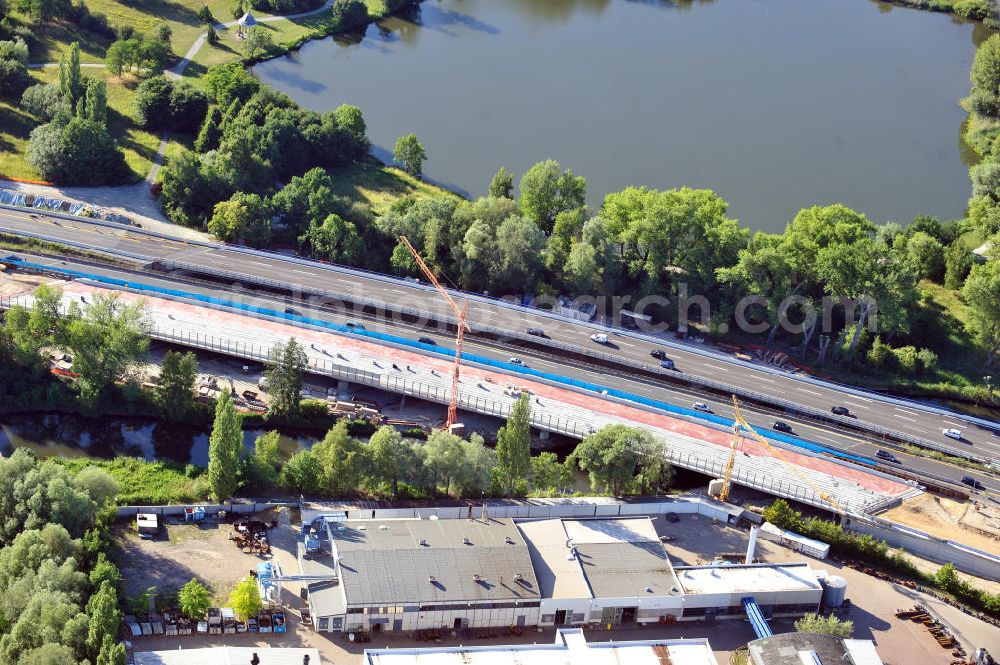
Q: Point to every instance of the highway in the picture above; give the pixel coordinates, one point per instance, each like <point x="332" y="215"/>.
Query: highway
<point x="757" y="416"/>
<point x="910" y="419"/>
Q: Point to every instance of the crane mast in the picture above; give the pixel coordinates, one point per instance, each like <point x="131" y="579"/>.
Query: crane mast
<point x="462" y="327"/>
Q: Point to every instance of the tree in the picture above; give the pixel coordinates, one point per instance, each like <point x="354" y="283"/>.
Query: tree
<point x="548" y="474"/>
<point x="982" y="298"/>
<point x="103" y="617"/>
<point x="306" y="200"/>
<point x="31" y="330"/>
<point x="210" y="132"/>
<point x="120" y="56"/>
<point x="476" y="468"/>
<point x="163" y="33"/>
<point x="266" y="452"/>
<point x="444" y="458"/>
<point x="390" y="456"/>
<point x="70" y="78"/>
<point x="582" y="273"/>
<point x="258" y="39"/>
<point x="107" y="339"/>
<point x="545" y="192"/>
<point x="985" y="72"/>
<point x="152" y="102"/>
<point x="188" y="106"/>
<point x="230" y="82"/>
<point x="245" y="599"/>
<point x="13" y="68"/>
<point x="825" y="625"/>
<point x="44" y="101"/>
<point x="245" y="217"/>
<point x="409" y="153"/>
<point x="520" y="244"/>
<point x="284" y="376"/>
<point x="112" y="652"/>
<point x="175" y="390"/>
<point x="926" y="254"/>
<point x="958" y="262"/>
<point x="224" y="448"/>
<point x="95" y="103"/>
<point x="514" y="448"/>
<point x="343" y="460"/>
<point x="303" y="473"/>
<point x="612" y="457"/>
<point x="335" y="239"/>
<point x="502" y="184"/>
<point x="211" y="35"/>
<point x="780" y="514"/>
<point x="349" y="13"/>
<point x="49" y="653"/>
<point x="194" y="599"/>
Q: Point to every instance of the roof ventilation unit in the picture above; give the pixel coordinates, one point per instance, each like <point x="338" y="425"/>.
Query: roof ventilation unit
<point x="466" y="541"/>
<point x="518" y="577"/>
<point x="509" y="540"/>
<point x="477" y="578"/>
<point x="431" y="579"/>
<point x="383" y="527"/>
<point x="423" y="542"/>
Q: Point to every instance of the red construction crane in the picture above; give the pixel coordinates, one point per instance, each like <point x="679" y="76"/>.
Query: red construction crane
<point x="462" y="327"/>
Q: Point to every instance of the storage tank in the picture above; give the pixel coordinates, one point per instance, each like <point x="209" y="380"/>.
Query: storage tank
<point x="834" y="591"/>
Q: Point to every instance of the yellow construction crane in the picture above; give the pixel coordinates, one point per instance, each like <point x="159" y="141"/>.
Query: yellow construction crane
<point x="738" y="422"/>
<point x="462" y="327"/>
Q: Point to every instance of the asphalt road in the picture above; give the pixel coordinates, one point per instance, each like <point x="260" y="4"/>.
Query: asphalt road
<point x="911" y="419"/>
<point x="757" y="416"/>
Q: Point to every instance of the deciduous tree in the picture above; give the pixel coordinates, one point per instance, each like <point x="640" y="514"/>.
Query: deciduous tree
<point x="982" y="297"/>
<point x="409" y="153"/>
<point x="513" y="448"/>
<point x="194" y="599"/>
<point x="245" y="599"/>
<point x="284" y="376"/>
<point x="175" y="390"/>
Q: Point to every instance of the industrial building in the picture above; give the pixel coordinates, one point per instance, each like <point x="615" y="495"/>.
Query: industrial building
<point x="570" y="648"/>
<point x="799" y="648"/>
<point x="418" y="574"/>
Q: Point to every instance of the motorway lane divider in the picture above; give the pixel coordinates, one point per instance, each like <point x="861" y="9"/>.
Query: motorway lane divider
<point x="441" y="351"/>
<point x="571" y="349"/>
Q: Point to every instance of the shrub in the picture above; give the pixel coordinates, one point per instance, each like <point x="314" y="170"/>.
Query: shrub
<point x="927" y="359"/>
<point x="906" y="359"/>
<point x="152" y="102"/>
<point x="313" y="408"/>
<point x="349" y="13"/>
<point x="13" y="78"/>
<point x="43" y="101"/>
<point x="974" y="9"/>
<point x="188" y="106"/>
<point x="879" y="353"/>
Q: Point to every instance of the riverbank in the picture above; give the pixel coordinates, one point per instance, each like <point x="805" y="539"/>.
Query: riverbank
<point x="976" y="10"/>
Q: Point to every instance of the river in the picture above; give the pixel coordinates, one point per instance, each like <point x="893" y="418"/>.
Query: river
<point x="775" y="104"/>
<point x="61" y="435"/>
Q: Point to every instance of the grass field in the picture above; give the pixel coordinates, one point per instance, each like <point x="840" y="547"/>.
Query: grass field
<point x="380" y="186"/>
<point x="138" y="144"/>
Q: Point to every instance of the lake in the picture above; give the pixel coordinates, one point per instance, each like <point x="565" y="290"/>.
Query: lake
<point x="775" y="104"/>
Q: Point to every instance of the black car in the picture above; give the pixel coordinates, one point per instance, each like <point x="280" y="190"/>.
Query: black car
<point x="355" y="325"/>
<point x="537" y="332"/>
<point x="887" y="456"/>
<point x="782" y="426"/>
<point x="293" y="312"/>
<point x="972" y="482"/>
<point x="659" y="354"/>
<point x="427" y="340"/>
<point x="840" y="411"/>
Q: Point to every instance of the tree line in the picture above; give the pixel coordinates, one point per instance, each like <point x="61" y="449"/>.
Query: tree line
<point x="59" y="588"/>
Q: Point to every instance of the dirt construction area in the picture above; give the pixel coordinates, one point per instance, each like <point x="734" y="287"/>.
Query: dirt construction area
<point x="183" y="551"/>
<point x="976" y="524"/>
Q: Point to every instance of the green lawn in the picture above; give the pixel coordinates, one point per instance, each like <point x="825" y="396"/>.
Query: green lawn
<point x="380" y="186"/>
<point x="138" y="144"/>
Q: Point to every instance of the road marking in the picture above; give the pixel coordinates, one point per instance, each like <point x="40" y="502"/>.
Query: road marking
<point x="721" y="369"/>
<point x="947" y="422"/>
<point x="860" y="406"/>
<point x="761" y="378"/>
<point x="302" y="272"/>
<point x="258" y="263"/>
<point x="811" y="392"/>
<point x="912" y="420"/>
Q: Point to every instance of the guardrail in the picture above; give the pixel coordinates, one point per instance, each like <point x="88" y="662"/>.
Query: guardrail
<point x="708" y="353"/>
<point x="703" y="382"/>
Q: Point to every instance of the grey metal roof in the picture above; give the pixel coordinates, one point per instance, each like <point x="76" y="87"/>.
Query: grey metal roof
<point x="784" y="649"/>
<point x="326" y="598"/>
<point x="390" y="566"/>
<point x="614" y="570"/>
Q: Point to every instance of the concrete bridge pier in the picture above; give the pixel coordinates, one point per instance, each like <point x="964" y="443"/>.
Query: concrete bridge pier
<point x="343" y="391"/>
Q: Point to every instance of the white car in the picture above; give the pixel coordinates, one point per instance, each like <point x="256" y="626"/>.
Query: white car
<point x="516" y="361"/>
<point x="600" y="338"/>
<point x="953" y="433"/>
<point x="701" y="406"/>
